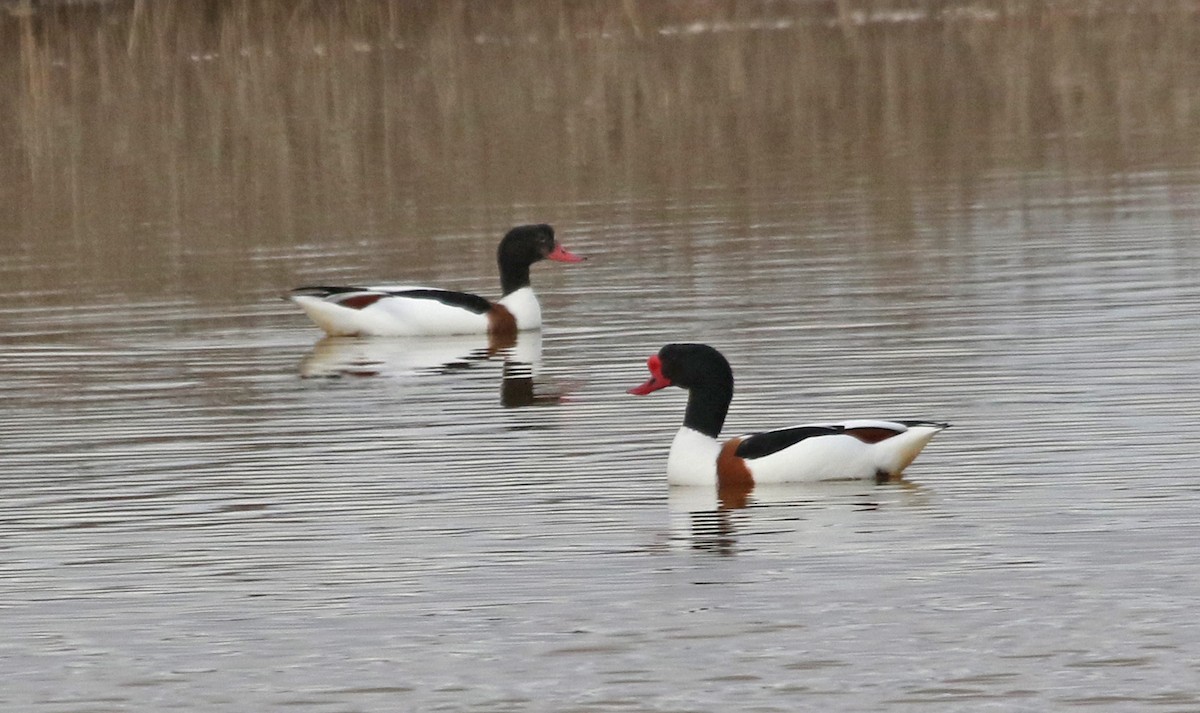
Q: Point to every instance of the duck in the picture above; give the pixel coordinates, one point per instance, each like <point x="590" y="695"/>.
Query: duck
<point x="843" y="450"/>
<point x="413" y="311"/>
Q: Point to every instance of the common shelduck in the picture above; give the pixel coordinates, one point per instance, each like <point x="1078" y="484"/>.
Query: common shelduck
<point x="812" y="452"/>
<point x="407" y="311"/>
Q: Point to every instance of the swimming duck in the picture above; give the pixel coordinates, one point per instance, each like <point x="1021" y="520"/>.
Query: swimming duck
<point x="812" y="452"/>
<point x="405" y="311"/>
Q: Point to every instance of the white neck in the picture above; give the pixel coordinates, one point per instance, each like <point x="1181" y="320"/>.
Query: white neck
<point x="524" y="307"/>
<point x="693" y="459"/>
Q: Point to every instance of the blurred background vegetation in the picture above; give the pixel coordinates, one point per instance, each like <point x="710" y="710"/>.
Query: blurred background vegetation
<point x="288" y="121"/>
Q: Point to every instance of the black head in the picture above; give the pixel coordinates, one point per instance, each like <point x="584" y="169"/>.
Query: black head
<point x="695" y="365"/>
<point x="704" y="372"/>
<point x="523" y="246"/>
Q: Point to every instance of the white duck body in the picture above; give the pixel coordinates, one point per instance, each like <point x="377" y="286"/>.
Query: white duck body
<point x="837" y="456"/>
<point x="524" y="307"/>
<point x="693" y="458"/>
<point x="845" y="455"/>
<point x="394" y="315"/>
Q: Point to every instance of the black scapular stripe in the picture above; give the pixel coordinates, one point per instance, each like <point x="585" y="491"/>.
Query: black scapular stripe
<point x="931" y="424"/>
<point x="324" y="291"/>
<point x="768" y="442"/>
<point x="466" y="300"/>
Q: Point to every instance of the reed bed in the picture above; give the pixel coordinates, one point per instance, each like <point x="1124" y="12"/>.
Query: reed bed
<point x="287" y="119"/>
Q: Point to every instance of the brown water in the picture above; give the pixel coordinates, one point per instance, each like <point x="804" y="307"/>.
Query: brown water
<point x="989" y="219"/>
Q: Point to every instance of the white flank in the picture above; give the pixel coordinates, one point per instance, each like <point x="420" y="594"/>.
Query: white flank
<point x="897" y="453"/>
<point x="409" y="317"/>
<point x="840" y="457"/>
<point x="392" y="317"/>
<point x="693" y="458"/>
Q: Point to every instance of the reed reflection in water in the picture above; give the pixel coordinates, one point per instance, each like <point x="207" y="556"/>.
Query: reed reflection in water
<point x="984" y="213"/>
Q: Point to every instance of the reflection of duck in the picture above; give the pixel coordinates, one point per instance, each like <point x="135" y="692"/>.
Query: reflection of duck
<point x="713" y="519"/>
<point x="334" y="357"/>
<point x="519" y="387"/>
<point x="812" y="452"/>
<point x="697" y="499"/>
<point x="406" y="311"/>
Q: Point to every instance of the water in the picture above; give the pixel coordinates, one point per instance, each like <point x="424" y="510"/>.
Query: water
<point x="208" y="507"/>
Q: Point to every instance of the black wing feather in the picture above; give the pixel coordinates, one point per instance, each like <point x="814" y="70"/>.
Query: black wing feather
<point x="465" y="300"/>
<point x="324" y="291"/>
<point x="932" y="424"/>
<point x="768" y="442"/>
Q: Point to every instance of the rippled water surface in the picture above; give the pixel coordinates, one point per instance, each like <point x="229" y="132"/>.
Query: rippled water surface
<point x="206" y="506"/>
